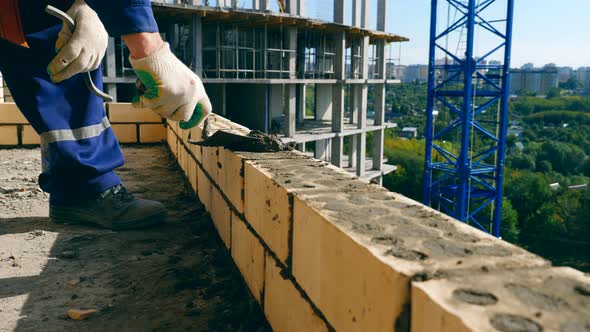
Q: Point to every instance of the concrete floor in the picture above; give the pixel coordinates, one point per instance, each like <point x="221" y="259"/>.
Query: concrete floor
<point x="176" y="277"/>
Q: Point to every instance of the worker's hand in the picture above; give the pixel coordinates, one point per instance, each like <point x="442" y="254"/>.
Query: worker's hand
<point x="171" y="89"/>
<point x="82" y="50"/>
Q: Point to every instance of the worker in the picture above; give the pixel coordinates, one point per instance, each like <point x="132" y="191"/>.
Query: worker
<point x="41" y="60"/>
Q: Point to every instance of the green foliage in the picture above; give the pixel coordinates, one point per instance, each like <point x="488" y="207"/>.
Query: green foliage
<point x="571" y="84"/>
<point x="558" y="118"/>
<point x="509" y="222"/>
<point x="564" y="158"/>
<point x="520" y="161"/>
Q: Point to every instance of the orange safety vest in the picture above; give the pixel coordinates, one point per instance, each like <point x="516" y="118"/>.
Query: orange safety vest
<point x="11" y="27"/>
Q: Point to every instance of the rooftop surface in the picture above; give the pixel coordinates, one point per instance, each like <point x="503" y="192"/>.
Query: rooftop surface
<point x="174" y="277"/>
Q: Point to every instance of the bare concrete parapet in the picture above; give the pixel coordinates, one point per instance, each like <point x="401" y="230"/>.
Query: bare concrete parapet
<point x="322" y="250"/>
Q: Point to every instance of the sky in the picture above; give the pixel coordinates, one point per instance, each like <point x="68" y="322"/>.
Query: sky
<point x="545" y="31"/>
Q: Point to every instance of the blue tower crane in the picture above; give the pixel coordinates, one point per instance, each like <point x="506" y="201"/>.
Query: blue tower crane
<point x="467" y="111"/>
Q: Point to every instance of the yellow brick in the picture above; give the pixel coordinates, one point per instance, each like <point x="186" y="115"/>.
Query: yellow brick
<point x="548" y="297"/>
<point x="231" y="178"/>
<point x="431" y="317"/>
<point x="353" y="288"/>
<point x="221" y="215"/>
<point x="151" y="133"/>
<point x="285" y="309"/>
<point x="210" y="162"/>
<point x="248" y="254"/>
<point x="9" y="113"/>
<point x="125" y="113"/>
<point x="192" y="172"/>
<point x="267" y="209"/>
<point x="195" y="135"/>
<point x="29" y="136"/>
<point x="8" y="135"/>
<point x="126" y="133"/>
<point x="185" y="134"/>
<point x="182" y="156"/>
<point x="172" y="142"/>
<point x="204" y="189"/>
<point x="173" y="125"/>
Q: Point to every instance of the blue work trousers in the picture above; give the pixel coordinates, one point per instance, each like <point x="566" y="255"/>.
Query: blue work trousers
<point x="79" y="148"/>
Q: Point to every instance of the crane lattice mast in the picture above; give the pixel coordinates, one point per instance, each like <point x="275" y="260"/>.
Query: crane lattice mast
<point x="468" y="97"/>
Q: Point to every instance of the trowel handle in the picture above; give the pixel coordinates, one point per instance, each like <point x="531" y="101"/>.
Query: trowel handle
<point x="72" y="25"/>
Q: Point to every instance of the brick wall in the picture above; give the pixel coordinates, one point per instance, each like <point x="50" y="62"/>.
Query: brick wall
<point x="130" y="125"/>
<point x="321" y="250"/>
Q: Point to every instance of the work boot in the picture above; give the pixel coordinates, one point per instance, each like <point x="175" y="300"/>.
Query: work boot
<point x="115" y="209"/>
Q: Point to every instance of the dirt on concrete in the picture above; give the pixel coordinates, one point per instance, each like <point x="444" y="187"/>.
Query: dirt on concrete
<point x="175" y="277"/>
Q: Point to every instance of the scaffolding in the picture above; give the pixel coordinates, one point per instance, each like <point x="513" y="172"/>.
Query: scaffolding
<point x="232" y="51"/>
<point x="318" y="54"/>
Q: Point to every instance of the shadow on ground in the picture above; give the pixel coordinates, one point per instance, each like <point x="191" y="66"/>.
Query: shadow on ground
<point x="176" y="277"/>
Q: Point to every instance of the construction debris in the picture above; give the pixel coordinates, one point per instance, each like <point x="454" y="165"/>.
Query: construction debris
<point x="80" y="314"/>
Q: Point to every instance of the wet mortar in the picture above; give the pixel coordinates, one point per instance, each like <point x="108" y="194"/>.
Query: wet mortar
<point x="474" y="296"/>
<point x="514" y="323"/>
<point x="531" y="297"/>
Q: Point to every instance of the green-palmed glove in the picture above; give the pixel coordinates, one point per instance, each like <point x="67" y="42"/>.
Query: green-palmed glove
<point x="171" y="89"/>
<point x="82" y="50"/>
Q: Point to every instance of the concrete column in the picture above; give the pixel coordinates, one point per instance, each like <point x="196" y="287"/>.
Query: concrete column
<point x="301" y="98"/>
<point x="365" y="57"/>
<point x="321" y="148"/>
<point x="365" y="12"/>
<point x="338" y="89"/>
<point x="336" y="151"/>
<point x="356" y="13"/>
<point x="197" y="29"/>
<point x="261" y="5"/>
<point x="292" y="43"/>
<point x="361" y="120"/>
<point x="339" y="11"/>
<point x="361" y="155"/>
<point x="381" y="15"/>
<point x="323" y="102"/>
<point x="296" y="7"/>
<point x="300" y="147"/>
<point x="275" y="101"/>
<point x="352" y="151"/>
<point x="289" y="126"/>
<point x="110" y="69"/>
<point x="379" y="135"/>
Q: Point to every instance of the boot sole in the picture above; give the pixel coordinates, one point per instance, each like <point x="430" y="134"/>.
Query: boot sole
<point x="144" y="222"/>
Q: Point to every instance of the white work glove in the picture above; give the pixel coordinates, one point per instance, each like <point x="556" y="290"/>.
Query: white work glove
<point x="82" y="50"/>
<point x="171" y="89"/>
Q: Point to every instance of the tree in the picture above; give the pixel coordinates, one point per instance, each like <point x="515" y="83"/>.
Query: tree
<point x="544" y="166"/>
<point x="564" y="158"/>
<point x="571" y="84"/>
<point x="511" y="141"/>
<point x="527" y="191"/>
<point x="521" y="161"/>
<point x="509" y="222"/>
<point x="553" y="93"/>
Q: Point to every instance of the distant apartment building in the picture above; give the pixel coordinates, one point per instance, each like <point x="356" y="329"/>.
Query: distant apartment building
<point x="583" y="75"/>
<point x="408" y="74"/>
<point x="564" y="73"/>
<point x="534" y="80"/>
